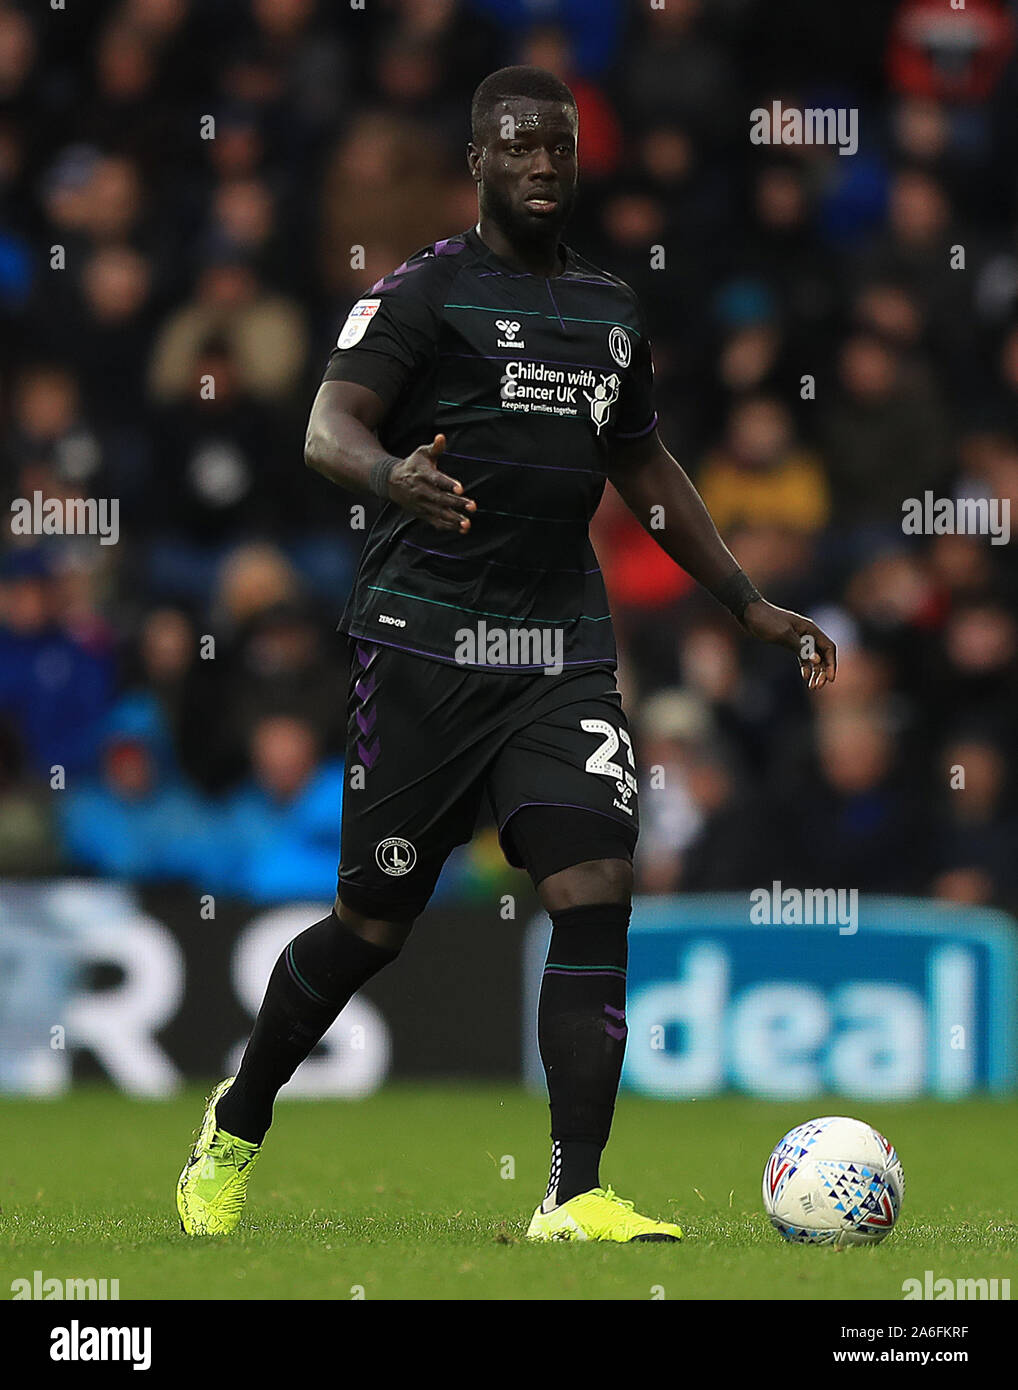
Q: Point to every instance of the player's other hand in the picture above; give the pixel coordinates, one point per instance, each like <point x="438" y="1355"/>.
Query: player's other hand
<point x="818" y="656"/>
<point x="418" y="485"/>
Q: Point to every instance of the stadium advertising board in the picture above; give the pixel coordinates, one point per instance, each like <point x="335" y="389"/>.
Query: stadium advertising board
<point x="98" y="980"/>
<point x="920" y="1000"/>
<point x="142" y="988"/>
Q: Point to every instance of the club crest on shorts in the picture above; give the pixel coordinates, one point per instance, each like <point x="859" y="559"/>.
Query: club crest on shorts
<point x="395" y="856"/>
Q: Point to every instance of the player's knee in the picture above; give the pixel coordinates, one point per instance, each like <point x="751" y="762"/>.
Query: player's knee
<point x="587" y="852"/>
<point x="583" y="885"/>
<point x="377" y="931"/>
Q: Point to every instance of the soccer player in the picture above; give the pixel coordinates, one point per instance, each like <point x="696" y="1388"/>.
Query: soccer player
<point x="484" y="391"/>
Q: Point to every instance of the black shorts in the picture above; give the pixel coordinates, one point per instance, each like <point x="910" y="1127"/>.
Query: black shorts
<point x="426" y="740"/>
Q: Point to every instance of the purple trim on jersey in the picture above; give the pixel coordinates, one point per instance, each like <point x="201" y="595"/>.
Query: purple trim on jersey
<point x="565" y="806"/>
<point x="451" y="246"/>
<point x="558" y="312"/>
<point x="530" y="569"/>
<point x="506" y="670"/>
<point x="637" y="434"/>
<point x="403" y="269"/>
<point x="514" y="463"/>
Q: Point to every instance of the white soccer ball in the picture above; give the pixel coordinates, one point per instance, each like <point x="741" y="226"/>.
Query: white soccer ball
<point x="833" y="1181"/>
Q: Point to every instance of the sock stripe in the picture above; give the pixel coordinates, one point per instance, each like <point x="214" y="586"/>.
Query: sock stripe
<point x="586" y="971"/>
<point x="300" y="981"/>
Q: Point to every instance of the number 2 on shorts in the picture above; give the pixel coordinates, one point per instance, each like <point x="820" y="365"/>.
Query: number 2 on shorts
<point x="600" y="760"/>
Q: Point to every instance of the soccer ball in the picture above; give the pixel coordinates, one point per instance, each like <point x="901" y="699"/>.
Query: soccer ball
<point x="833" y="1181"/>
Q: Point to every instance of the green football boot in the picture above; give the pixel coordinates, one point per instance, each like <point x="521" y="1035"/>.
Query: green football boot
<point x="598" y="1215"/>
<point x="212" y="1189"/>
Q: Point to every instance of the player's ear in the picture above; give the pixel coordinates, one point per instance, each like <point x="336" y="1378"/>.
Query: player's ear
<point x="474" y="161"/>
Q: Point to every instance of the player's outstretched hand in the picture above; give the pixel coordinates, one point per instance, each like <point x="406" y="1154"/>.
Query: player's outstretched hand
<point x="818" y="656"/>
<point x="417" y="485"/>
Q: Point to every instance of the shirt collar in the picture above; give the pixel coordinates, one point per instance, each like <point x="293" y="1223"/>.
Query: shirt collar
<point x="475" y="241"/>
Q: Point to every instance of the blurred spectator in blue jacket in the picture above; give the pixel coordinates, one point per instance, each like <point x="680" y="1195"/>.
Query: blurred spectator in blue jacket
<point x="55" y="685"/>
<point x="279" y="836"/>
<point x="138" y="819"/>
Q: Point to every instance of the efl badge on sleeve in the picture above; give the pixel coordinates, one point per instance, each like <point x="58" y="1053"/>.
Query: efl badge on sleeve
<point x="357" y="322"/>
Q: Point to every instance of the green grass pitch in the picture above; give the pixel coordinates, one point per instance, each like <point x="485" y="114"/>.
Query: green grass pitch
<point x="402" y="1196"/>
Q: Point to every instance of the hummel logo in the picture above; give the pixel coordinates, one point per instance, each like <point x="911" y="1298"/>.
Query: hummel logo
<point x="509" y="327"/>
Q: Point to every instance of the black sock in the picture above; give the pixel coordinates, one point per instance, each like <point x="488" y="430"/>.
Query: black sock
<point x="311" y="983"/>
<point x="581" y="1031"/>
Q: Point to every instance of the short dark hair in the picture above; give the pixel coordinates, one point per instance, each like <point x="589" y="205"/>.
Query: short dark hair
<point x="506" y="83"/>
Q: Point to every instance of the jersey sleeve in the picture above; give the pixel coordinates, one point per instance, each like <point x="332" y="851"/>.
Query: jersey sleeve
<point x="391" y="335"/>
<point x="636" y="414"/>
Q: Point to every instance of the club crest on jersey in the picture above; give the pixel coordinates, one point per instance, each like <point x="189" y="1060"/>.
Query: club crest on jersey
<point x="395" y="856"/>
<point x="509" y="328"/>
<point x="606" y="393"/>
<point x="357" y="322"/>
<point x="618" y="346"/>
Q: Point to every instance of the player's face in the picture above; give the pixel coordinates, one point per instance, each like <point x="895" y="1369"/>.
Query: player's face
<point x="526" y="168"/>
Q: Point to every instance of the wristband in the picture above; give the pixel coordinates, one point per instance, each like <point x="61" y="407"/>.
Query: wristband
<point x="378" y="480"/>
<point x="737" y="592"/>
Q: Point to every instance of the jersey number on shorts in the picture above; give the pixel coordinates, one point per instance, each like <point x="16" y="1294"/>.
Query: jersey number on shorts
<point x="600" y="760"/>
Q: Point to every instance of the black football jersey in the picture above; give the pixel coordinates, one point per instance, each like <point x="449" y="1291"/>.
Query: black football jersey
<point x="529" y="378"/>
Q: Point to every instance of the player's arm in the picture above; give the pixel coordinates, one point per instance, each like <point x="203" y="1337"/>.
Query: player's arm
<point x="646" y="476"/>
<point x="341" y="444"/>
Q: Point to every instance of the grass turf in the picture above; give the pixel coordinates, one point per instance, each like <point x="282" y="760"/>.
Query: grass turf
<point x="402" y="1196"/>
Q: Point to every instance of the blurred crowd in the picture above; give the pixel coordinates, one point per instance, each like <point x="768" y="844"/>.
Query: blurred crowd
<point x="195" y="192"/>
